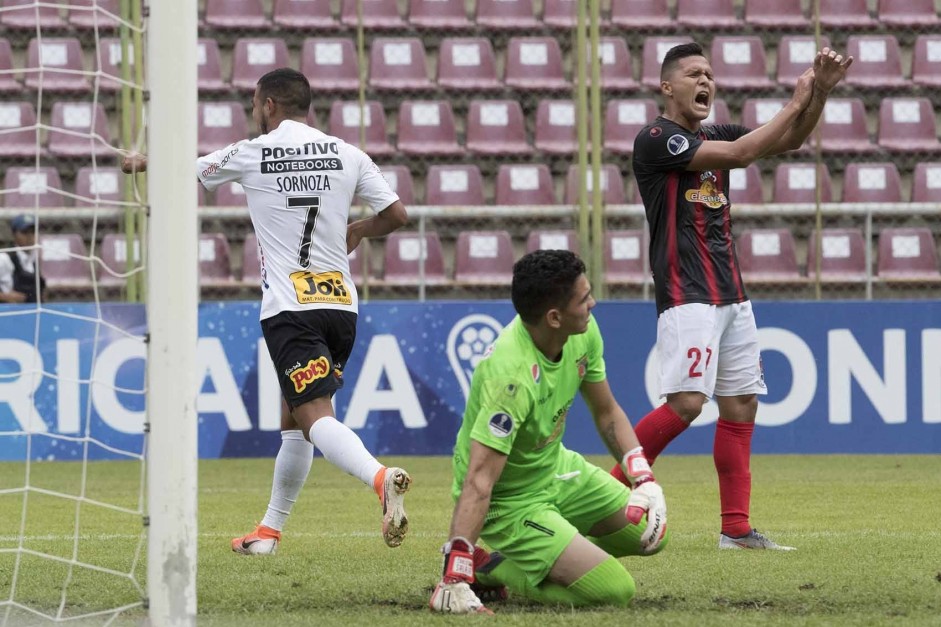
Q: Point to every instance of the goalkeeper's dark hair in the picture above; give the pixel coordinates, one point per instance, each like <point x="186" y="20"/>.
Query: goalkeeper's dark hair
<point x="674" y="54"/>
<point x="289" y="88"/>
<point x="543" y="280"/>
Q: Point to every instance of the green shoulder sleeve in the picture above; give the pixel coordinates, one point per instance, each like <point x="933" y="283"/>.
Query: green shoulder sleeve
<point x="505" y="404"/>
<point x="596" y="368"/>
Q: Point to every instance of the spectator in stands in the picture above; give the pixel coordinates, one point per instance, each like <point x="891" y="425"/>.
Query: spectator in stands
<point x="299" y="184"/>
<point x="19" y="268"/>
<point x="557" y="523"/>
<point x="707" y="340"/>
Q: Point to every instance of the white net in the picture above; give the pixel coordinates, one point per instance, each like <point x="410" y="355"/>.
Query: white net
<point x="72" y="351"/>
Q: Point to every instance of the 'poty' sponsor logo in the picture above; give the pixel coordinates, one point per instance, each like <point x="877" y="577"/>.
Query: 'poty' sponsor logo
<point x="315" y="369"/>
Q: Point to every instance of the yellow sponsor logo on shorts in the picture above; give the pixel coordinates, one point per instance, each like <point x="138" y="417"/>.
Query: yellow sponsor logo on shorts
<point x="321" y="288"/>
<point x="315" y="369"/>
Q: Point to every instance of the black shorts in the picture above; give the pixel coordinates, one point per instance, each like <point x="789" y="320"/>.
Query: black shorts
<point x="309" y="350"/>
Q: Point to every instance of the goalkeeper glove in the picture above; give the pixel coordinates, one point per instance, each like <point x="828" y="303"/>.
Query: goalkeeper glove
<point x="646" y="498"/>
<point x="453" y="594"/>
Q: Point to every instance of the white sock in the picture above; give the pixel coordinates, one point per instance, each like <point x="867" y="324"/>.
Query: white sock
<point x="291" y="467"/>
<point x="343" y="448"/>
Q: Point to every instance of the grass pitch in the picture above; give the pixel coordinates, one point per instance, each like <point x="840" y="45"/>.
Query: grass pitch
<point x="866" y="528"/>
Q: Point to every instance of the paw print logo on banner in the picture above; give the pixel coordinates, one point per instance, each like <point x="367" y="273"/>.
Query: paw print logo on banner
<point x="468" y="342"/>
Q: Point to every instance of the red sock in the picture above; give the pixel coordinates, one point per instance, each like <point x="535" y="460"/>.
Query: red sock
<point x="731" y="453"/>
<point x="654" y="432"/>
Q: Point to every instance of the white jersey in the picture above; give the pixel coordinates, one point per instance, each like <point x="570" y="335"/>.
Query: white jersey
<point x="300" y="183"/>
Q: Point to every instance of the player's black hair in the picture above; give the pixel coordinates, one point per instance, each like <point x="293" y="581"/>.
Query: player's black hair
<point x="289" y="88"/>
<point x="674" y="54"/>
<point x="542" y="280"/>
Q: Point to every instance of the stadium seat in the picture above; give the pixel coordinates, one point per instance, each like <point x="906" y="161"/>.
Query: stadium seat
<point x="30" y="186"/>
<point x="64" y="260"/>
<point x="53" y="64"/>
<point x="439" y="14"/>
<point x="612" y="185"/>
<point x="767" y="256"/>
<point x="506" y="15"/>
<point x="399" y="179"/>
<point x="623" y="120"/>
<point x="655" y="48"/>
<point x="109" y="63"/>
<point x="97" y="185"/>
<point x="496" y="127"/>
<point x="220" y="123"/>
<point x="454" y="185"/>
<point x="255" y="56"/>
<point x="745" y="186"/>
<point x="209" y="69"/>
<point x="8" y="82"/>
<point x="908" y="14"/>
<point x="467" y="64"/>
<point x="872" y="182"/>
<point x="926" y="61"/>
<point x="398" y="64"/>
<point x="555" y="127"/>
<point x="797" y="183"/>
<point x="843" y="127"/>
<point x="524" y="184"/>
<point x="907" y="254"/>
<point x="484" y="257"/>
<point x="346" y="119"/>
<point x="426" y="128"/>
<point x="92" y="14"/>
<point x="18" y="132"/>
<point x="625" y="257"/>
<point x="30" y="16"/>
<point x="552" y="240"/>
<point x="642" y="15"/>
<point x="796" y="53"/>
<point x="707" y="14"/>
<point x="236" y="14"/>
<point x="535" y="63"/>
<point x="214" y="264"/>
<point x="843" y="256"/>
<point x="113" y="255"/>
<point x="846" y="14"/>
<point x="406" y="251"/>
<point x="719" y="114"/>
<point x="330" y="65"/>
<point x="377" y="14"/>
<point x="251" y="261"/>
<point x="738" y="62"/>
<point x="230" y="195"/>
<point x="908" y="125"/>
<point x="79" y="117"/>
<point x="617" y="68"/>
<point x="926" y="183"/>
<point x="304" y="15"/>
<point x="561" y="14"/>
<point x="775" y="14"/>
<point x="877" y="62"/>
<point x="759" y="111"/>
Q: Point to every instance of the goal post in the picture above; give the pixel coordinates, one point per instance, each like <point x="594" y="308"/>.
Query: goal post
<point x="172" y="301"/>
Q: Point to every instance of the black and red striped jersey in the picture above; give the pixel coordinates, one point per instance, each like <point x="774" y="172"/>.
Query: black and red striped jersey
<point x="692" y="255"/>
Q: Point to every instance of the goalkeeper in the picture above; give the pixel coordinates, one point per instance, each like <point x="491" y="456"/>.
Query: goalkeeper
<point x="556" y="523"/>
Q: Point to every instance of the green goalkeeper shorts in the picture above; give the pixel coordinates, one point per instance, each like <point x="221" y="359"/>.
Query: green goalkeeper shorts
<point x="534" y="529"/>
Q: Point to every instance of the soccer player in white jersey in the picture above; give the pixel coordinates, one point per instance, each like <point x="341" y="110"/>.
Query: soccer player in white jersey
<point x="300" y="184"/>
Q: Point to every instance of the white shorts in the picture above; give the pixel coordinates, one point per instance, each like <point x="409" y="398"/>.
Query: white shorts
<point x="710" y="349"/>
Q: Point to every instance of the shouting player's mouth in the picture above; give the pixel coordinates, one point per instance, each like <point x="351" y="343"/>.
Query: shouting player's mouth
<point x="702" y="101"/>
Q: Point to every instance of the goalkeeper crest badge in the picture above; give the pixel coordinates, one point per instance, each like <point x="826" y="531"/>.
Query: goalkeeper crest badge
<point x="468" y="343"/>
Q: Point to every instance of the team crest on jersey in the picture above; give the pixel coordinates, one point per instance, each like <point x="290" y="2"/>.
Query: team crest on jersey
<point x="501" y="424"/>
<point x="537" y="374"/>
<point x="655" y="131"/>
<point x="582" y="366"/>
<point x="708" y="193"/>
<point x="315" y="369"/>
<point x="677" y="144"/>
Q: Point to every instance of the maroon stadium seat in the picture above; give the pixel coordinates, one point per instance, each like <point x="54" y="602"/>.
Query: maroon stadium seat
<point x="30" y="186"/>
<point x="346" y="118"/>
<point x="467" y="64"/>
<point x="926" y="61"/>
<point x="92" y="14"/>
<point x="506" y="14"/>
<point x="617" y="68"/>
<point x="524" y="184"/>
<point x="330" y="64"/>
<point x="377" y="14"/>
<point x="642" y="14"/>
<point x="795" y="54"/>
<point x="398" y="64"/>
<point x="251" y="262"/>
<point x="439" y="14"/>
<point x="797" y="183"/>
<point x="8" y="82"/>
<point x="406" y="251"/>
<point x="555" y="127"/>
<point x="214" y="264"/>
<point x="426" y="127"/>
<point x="454" y="185"/>
<point x="560" y="14"/>
<point x="767" y="256"/>
<point x="745" y="186"/>
<point x="209" y="69"/>
<point x="846" y="14"/>
<point x="719" y="113"/>
<point x="655" y="48"/>
<point x="304" y="15"/>
<point x="552" y="240"/>
<point x="399" y="179"/>
<point x="484" y="257"/>
<point x="612" y="185"/>
<point x="711" y="14"/>
<point x="220" y="123"/>
<point x="738" y="62"/>
<point x="843" y="256"/>
<point x="908" y="125"/>
<point x="872" y="182"/>
<point x="79" y="117"/>
<point x="908" y="14"/>
<point x="17" y="130"/>
<point x="113" y="253"/>
<point x="907" y="254"/>
<point x="843" y="126"/>
<point x="926" y="183"/>
<point x="95" y="185"/>
<point x="236" y="14"/>
<point x="59" y="58"/>
<point x="535" y="63"/>
<point x="877" y="62"/>
<point x="64" y="260"/>
<point x="625" y="255"/>
<point x="230" y="195"/>
<point x="29" y="16"/>
<point x="759" y="111"/>
<point x="496" y="127"/>
<point x="623" y="120"/>
<point x="254" y="57"/>
<point x="109" y="63"/>
<point x="775" y="14"/>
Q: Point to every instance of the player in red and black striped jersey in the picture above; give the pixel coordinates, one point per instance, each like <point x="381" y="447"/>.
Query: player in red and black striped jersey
<point x="707" y="340"/>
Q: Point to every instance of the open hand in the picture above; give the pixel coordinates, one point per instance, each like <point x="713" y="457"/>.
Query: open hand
<point x="830" y="68"/>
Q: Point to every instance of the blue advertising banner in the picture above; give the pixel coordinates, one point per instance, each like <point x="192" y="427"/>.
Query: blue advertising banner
<point x="843" y="377"/>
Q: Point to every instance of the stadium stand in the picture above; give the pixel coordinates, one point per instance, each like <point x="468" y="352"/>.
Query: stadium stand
<point x="467" y="64"/>
<point x="625" y="253"/>
<point x="496" y="127"/>
<point x="612" y="185"/>
<point x="214" y="266"/>
<point x="926" y="61"/>
<point x="926" y="183"/>
<point x="113" y="256"/>
<point x="236" y="15"/>
<point x="768" y="256"/>
<point x="559" y="14"/>
<point x="877" y="62"/>
<point x="251" y="262"/>
<point x="642" y="15"/>
<point x="405" y="251"/>
<point x="304" y="15"/>
<point x="775" y="14"/>
<point x="97" y="185"/>
<point x="439" y="14"/>
<point x="745" y="185"/>
<point x="655" y="48"/>
<point x="552" y="240"/>
<point x="795" y="54"/>
<point x="30" y="16"/>
<point x="707" y="14"/>
<point x="907" y="254"/>
<point x="843" y="127"/>
<point x="400" y="180"/>
<point x="719" y="114"/>
<point x="454" y="185"/>
<point x="872" y="182"/>
<point x="8" y="82"/>
<point x="63" y="258"/>
<point x="230" y="195"/>
<point x="529" y="184"/>
<point x="506" y="15"/>
<point x="908" y="14"/>
<point x="330" y="64"/>
<point x="846" y="14"/>
<point x="623" y="120"/>
<point x="209" y="72"/>
<point x="79" y="117"/>
<point x="60" y="62"/>
<point x="398" y="64"/>
<point x="797" y="183"/>
<point x="842" y="258"/>
<point x="220" y="124"/>
<point x="555" y="127"/>
<point x="110" y="53"/>
<point x="18" y="133"/>
<point x="617" y="66"/>
<point x="92" y="14"/>
<point x="535" y="64"/>
<point x="907" y="125"/>
<point x="426" y="128"/>
<point x="33" y="186"/>
<point x="255" y="56"/>
<point x="739" y="63"/>
<point x="377" y="14"/>
<point x="345" y="123"/>
<point x="483" y="257"/>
